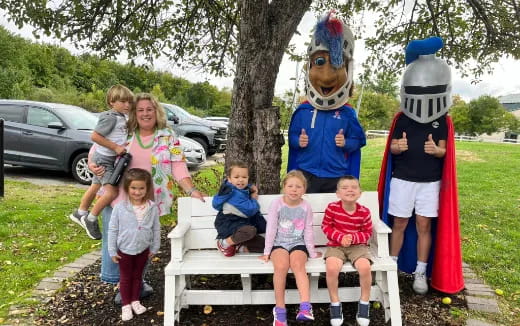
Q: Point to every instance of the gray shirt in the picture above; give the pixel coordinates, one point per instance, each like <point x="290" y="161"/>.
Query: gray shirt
<point x="125" y="233"/>
<point x="112" y="126"/>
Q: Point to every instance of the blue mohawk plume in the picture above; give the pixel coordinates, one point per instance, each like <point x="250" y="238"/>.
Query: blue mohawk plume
<point x="422" y="47"/>
<point x="329" y="31"/>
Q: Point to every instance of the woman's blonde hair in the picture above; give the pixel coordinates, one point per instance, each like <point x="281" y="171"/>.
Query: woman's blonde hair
<point x="295" y="174"/>
<point x="160" y="114"/>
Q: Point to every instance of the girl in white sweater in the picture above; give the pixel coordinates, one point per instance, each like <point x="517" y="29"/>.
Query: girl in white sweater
<point x="133" y="237"/>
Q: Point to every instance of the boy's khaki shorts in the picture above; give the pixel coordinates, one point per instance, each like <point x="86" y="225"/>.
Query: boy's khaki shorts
<point x="351" y="253"/>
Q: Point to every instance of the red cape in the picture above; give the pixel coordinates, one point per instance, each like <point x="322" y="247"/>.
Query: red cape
<point x="445" y="263"/>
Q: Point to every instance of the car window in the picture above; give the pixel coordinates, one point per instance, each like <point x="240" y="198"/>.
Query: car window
<point x="40" y="117"/>
<point x="13" y="113"/>
<point x="78" y="118"/>
<point x="171" y="115"/>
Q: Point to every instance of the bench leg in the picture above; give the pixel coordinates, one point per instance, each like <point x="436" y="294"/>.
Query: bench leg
<point x="395" y="301"/>
<point x="314" y="285"/>
<point x="246" y="288"/>
<point x="169" y="300"/>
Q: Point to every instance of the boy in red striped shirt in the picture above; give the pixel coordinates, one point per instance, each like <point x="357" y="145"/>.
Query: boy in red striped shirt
<point x="348" y="227"/>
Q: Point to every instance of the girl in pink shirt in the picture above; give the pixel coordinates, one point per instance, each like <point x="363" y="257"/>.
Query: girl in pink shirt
<point x="289" y="241"/>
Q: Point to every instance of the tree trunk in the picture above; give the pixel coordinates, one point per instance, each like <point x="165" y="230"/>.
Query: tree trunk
<point x="254" y="131"/>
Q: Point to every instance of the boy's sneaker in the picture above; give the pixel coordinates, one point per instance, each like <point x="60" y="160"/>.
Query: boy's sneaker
<point x="420" y="284"/>
<point x="227" y="251"/>
<point x="305" y="312"/>
<point x="279" y="315"/>
<point x="336" y="315"/>
<point x="92" y="228"/>
<point x="76" y="217"/>
<point x="363" y="315"/>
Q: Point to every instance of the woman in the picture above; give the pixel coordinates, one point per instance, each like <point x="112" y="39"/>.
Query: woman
<point x="155" y="148"/>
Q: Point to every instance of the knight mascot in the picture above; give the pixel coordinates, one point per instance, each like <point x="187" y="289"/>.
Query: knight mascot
<point x="418" y="183"/>
<point x="325" y="136"/>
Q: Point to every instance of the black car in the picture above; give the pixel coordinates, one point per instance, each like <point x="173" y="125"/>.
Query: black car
<point x="48" y="136"/>
<point x="211" y="135"/>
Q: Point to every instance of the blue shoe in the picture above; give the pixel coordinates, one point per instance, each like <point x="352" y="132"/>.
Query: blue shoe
<point x="336" y="315"/>
<point x="363" y="315"/>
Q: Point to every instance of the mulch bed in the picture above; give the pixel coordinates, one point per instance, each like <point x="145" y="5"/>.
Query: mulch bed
<point x="87" y="301"/>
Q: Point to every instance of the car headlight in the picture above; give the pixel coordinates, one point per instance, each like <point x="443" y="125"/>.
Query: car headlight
<point x="213" y="128"/>
<point x="187" y="148"/>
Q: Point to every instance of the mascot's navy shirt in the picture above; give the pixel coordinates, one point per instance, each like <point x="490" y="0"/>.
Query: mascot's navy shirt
<point x="322" y="157"/>
<point x="414" y="164"/>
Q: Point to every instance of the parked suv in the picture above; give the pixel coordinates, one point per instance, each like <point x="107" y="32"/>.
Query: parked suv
<point x="211" y="135"/>
<point x="48" y="136"/>
<point x="224" y="120"/>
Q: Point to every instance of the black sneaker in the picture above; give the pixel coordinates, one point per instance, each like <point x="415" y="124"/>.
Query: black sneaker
<point x="336" y="315"/>
<point x="92" y="228"/>
<point x="76" y="217"/>
<point x="363" y="315"/>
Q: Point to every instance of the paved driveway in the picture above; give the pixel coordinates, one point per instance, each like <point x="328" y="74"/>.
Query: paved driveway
<point x="47" y="178"/>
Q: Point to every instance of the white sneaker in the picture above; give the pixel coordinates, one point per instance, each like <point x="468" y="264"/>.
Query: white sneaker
<point x="420" y="284"/>
<point x="126" y="313"/>
<point x="138" y="308"/>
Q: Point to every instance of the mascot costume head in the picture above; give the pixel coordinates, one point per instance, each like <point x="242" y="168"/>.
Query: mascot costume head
<point x="426" y="97"/>
<point x="325" y="136"/>
<point x="426" y="85"/>
<point x="331" y="64"/>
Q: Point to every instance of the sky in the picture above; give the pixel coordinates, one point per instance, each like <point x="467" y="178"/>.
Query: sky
<point x="503" y="81"/>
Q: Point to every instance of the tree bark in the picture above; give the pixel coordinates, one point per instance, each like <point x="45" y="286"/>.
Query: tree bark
<point x="265" y="31"/>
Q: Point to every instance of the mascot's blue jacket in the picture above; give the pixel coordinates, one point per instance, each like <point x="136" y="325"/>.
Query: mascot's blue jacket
<point x="322" y="157"/>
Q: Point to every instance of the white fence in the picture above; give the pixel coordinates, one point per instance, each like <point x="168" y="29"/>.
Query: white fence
<point x="384" y="133"/>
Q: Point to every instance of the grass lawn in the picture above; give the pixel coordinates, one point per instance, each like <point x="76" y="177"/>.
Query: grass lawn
<point x="36" y="236"/>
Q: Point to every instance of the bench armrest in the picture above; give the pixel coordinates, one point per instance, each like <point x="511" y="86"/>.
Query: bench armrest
<point x="180" y="230"/>
<point x="381" y="227"/>
<point x="379" y="239"/>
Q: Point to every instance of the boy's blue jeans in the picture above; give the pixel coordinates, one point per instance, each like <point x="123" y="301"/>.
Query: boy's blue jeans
<point x="109" y="269"/>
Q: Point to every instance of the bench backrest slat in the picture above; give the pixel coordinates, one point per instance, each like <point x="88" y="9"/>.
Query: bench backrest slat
<point x="202" y="216"/>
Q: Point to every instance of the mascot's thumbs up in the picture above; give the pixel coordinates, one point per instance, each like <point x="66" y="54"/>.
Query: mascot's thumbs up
<point x="340" y="138"/>
<point x="304" y="139"/>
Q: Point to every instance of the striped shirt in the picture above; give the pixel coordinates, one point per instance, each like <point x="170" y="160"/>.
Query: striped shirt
<point x="337" y="223"/>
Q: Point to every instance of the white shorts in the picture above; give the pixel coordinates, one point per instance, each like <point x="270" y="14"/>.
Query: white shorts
<point x="407" y="195"/>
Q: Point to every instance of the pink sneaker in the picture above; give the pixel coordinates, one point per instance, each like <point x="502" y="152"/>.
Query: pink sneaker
<point x="228" y="252"/>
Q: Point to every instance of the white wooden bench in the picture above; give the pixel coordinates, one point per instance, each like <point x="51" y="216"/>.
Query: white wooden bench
<point x="194" y="252"/>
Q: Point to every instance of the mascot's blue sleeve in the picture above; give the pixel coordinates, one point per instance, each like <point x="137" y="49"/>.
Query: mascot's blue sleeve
<point x="295" y="129"/>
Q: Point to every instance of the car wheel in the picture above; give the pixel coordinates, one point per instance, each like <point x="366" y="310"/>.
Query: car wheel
<point x="80" y="170"/>
<point x="211" y="153"/>
<point x="202" y="142"/>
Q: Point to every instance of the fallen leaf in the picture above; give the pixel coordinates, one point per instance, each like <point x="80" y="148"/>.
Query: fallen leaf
<point x="160" y="313"/>
<point x="207" y="309"/>
<point x="156" y="259"/>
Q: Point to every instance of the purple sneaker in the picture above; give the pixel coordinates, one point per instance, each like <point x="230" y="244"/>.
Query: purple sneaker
<point x="305" y="312"/>
<point x="280" y="317"/>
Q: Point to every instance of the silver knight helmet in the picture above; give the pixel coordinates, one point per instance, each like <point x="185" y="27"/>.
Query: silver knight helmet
<point x="426" y="85"/>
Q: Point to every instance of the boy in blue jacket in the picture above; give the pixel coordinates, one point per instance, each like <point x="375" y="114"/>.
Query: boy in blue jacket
<point x="239" y="219"/>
